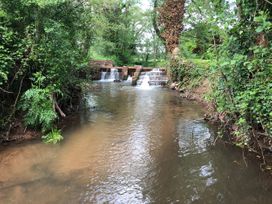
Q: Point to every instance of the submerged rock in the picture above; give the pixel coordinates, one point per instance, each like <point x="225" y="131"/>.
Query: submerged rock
<point x="117" y="81"/>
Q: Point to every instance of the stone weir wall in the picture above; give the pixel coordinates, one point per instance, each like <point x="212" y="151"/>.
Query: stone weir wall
<point x="98" y="66"/>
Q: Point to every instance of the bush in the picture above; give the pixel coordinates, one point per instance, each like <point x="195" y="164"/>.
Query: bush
<point x="244" y="90"/>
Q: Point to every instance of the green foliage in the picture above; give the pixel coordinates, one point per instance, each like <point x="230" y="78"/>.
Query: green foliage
<point x="38" y="104"/>
<point x="39" y="108"/>
<point x="179" y="69"/>
<point x="116" y="33"/>
<point x="189" y="72"/>
<point x="206" y="24"/>
<point x="196" y="41"/>
<point x="52" y="137"/>
<point x="244" y="90"/>
<point x="5" y="58"/>
<point x="240" y="69"/>
<point x="43" y="50"/>
<point x="263" y="23"/>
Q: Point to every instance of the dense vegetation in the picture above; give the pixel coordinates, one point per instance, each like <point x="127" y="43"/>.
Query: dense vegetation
<point x="230" y="44"/>
<point x="45" y="47"/>
<point x="42" y="50"/>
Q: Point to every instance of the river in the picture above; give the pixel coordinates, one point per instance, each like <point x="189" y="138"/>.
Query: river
<point x="132" y="146"/>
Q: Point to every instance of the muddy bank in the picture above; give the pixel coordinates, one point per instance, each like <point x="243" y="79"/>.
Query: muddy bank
<point x="19" y="133"/>
<point x="197" y="94"/>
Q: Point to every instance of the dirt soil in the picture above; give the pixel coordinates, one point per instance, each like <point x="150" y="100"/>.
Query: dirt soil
<point x="198" y="94"/>
<point x="18" y="133"/>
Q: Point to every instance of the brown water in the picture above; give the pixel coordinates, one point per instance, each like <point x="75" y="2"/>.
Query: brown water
<point x="135" y="146"/>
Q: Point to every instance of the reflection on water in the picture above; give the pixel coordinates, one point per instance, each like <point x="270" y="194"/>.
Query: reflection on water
<point x="197" y="139"/>
<point x="132" y="146"/>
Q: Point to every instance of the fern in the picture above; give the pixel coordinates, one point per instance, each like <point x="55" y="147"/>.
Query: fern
<point x="53" y="137"/>
<point x="38" y="105"/>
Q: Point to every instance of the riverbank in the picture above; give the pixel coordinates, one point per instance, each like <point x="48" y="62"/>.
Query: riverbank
<point x="259" y="146"/>
<point x="19" y="130"/>
<point x="19" y="133"/>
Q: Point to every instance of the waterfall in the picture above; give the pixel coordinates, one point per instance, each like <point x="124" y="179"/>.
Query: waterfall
<point x="103" y="75"/>
<point x="155" y="77"/>
<point x="110" y="76"/>
<point x="129" y="79"/>
<point x="156" y="70"/>
<point x="145" y="83"/>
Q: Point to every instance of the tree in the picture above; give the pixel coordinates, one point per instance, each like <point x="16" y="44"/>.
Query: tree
<point x="168" y="23"/>
<point x="43" y="47"/>
<point x="115" y="23"/>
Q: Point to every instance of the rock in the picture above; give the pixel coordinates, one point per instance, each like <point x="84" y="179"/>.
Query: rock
<point x="181" y="90"/>
<point x="134" y="81"/>
<point x="117" y="81"/>
<point x="173" y="86"/>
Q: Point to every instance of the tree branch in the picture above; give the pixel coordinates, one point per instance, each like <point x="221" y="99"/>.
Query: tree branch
<point x="5" y="91"/>
<point x="268" y="2"/>
<point x="56" y="106"/>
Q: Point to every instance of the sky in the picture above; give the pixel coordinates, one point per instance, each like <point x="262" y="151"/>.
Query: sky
<point x="145" y="4"/>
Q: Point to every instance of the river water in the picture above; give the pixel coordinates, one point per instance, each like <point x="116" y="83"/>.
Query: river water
<point x="132" y="146"/>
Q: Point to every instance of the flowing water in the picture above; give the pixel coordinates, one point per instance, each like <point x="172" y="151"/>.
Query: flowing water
<point x="110" y="75"/>
<point x="155" y="77"/>
<point x="132" y="146"/>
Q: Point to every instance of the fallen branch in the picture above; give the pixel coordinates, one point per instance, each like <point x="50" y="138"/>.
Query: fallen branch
<point x="56" y="106"/>
<point x="59" y="110"/>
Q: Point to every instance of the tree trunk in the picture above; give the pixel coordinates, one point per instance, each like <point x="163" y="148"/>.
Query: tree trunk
<point x="169" y="23"/>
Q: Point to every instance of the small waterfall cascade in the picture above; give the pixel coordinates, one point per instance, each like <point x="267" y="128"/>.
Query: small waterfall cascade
<point x="111" y="75"/>
<point x="145" y="82"/>
<point x="129" y="79"/>
<point x="155" y="77"/>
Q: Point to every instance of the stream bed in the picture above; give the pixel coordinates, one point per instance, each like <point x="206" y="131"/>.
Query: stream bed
<point x="132" y="146"/>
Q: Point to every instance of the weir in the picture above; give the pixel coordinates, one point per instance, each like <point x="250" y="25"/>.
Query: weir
<point x="138" y="75"/>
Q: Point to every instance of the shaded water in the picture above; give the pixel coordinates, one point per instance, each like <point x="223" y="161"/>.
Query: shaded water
<point x="132" y="146"/>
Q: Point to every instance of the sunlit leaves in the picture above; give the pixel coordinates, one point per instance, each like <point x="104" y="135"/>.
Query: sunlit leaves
<point x="264" y="25"/>
<point x="53" y="137"/>
<point x="42" y="3"/>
